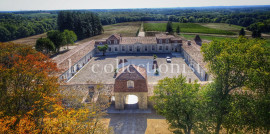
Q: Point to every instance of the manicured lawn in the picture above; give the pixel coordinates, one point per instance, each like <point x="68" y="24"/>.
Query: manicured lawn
<point x="186" y="28"/>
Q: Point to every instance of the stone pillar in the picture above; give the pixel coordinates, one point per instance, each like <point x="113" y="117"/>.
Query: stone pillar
<point x="142" y="100"/>
<point x="119" y="101"/>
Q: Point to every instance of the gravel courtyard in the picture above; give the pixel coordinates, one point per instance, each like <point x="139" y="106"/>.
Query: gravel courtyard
<point x="101" y="69"/>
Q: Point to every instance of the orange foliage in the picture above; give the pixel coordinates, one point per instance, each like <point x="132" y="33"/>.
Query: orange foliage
<point x="29" y="101"/>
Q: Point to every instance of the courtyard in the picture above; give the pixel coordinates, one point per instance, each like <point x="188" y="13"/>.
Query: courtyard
<point x="101" y="69"/>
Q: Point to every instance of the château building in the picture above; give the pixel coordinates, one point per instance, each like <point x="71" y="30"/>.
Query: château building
<point x="71" y="62"/>
<point x="161" y="43"/>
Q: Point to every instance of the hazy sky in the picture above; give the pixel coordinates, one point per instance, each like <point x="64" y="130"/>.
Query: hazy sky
<point x="7" y="5"/>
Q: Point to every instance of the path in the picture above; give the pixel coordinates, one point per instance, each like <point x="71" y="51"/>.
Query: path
<point x="141" y="32"/>
<point x="150" y="123"/>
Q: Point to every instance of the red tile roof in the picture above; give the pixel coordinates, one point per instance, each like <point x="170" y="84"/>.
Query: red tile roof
<point x="164" y="36"/>
<point x="131" y="72"/>
<point x="138" y="40"/>
<point x="73" y="55"/>
<point x="136" y="74"/>
<point x="194" y="51"/>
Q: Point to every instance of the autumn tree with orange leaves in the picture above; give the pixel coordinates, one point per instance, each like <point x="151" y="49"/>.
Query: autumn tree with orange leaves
<point x="29" y="98"/>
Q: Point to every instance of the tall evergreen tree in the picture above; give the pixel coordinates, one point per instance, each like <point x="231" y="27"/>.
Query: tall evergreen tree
<point x="84" y="24"/>
<point x="178" y="30"/>
<point x="242" y="32"/>
<point x="169" y="27"/>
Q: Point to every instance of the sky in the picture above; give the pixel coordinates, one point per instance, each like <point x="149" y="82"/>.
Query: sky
<point x="18" y="5"/>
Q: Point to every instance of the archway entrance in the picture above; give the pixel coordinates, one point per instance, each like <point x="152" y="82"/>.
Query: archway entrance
<point x="131" y="102"/>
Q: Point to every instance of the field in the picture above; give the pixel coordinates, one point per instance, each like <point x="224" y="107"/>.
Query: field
<point x="29" y="40"/>
<point x="125" y="29"/>
<point x="186" y="28"/>
<point x="204" y="37"/>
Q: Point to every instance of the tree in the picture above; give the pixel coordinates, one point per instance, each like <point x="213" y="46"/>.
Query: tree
<point x="169" y="27"/>
<point x="242" y="32"/>
<point x="103" y="49"/>
<point x="84" y="24"/>
<point x="22" y="32"/>
<point x="44" y="44"/>
<point x="4" y="34"/>
<point x="154" y="56"/>
<point x="256" y="34"/>
<point x="25" y="84"/>
<point x="178" y="30"/>
<point x="30" y="100"/>
<point x="57" y="38"/>
<point x="179" y="103"/>
<point x="70" y="37"/>
<point x="230" y="62"/>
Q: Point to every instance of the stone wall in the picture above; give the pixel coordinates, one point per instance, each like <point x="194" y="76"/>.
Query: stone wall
<point x="197" y="69"/>
<point x="86" y="92"/>
<point x="75" y="67"/>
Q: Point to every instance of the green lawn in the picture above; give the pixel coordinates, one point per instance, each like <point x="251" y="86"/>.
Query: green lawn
<point x="204" y="37"/>
<point x="186" y="28"/>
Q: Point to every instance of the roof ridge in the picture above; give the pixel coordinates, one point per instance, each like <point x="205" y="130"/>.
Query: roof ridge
<point x="137" y="70"/>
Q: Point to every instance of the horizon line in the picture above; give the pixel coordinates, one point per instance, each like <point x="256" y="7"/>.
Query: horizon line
<point x="134" y="8"/>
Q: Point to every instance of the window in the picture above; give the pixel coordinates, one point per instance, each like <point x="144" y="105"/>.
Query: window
<point x="160" y="47"/>
<point x="167" y="41"/>
<point x="167" y="48"/>
<point x="123" y="48"/>
<point x="130" y="48"/>
<point x="145" y="48"/>
<point x="115" y="49"/>
<point x="153" y="48"/>
<point x="130" y="84"/>
<point x="138" y="49"/>
<point x="110" y="49"/>
<point x="115" y="41"/>
<point x="175" y="41"/>
<point x="109" y="42"/>
<point x="100" y="43"/>
<point x="160" y="41"/>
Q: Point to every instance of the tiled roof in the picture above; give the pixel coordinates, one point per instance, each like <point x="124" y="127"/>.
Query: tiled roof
<point x="101" y="40"/>
<point x="117" y="36"/>
<point x="131" y="72"/>
<point x="164" y="36"/>
<point x="138" y="40"/>
<point x="174" y="38"/>
<point x="195" y="52"/>
<point x="136" y="74"/>
<point x="74" y="55"/>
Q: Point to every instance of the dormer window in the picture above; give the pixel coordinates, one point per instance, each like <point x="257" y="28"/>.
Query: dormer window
<point x="115" y="42"/>
<point x="109" y="42"/>
<point x="130" y="84"/>
<point x="160" y="41"/>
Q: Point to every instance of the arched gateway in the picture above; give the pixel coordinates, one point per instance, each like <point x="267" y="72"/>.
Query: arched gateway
<point x="131" y="80"/>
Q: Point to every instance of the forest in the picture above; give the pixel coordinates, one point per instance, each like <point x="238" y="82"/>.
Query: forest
<point x="84" y="24"/>
<point x="14" y="25"/>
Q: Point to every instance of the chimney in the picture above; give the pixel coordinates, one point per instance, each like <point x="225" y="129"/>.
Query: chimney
<point x="189" y="42"/>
